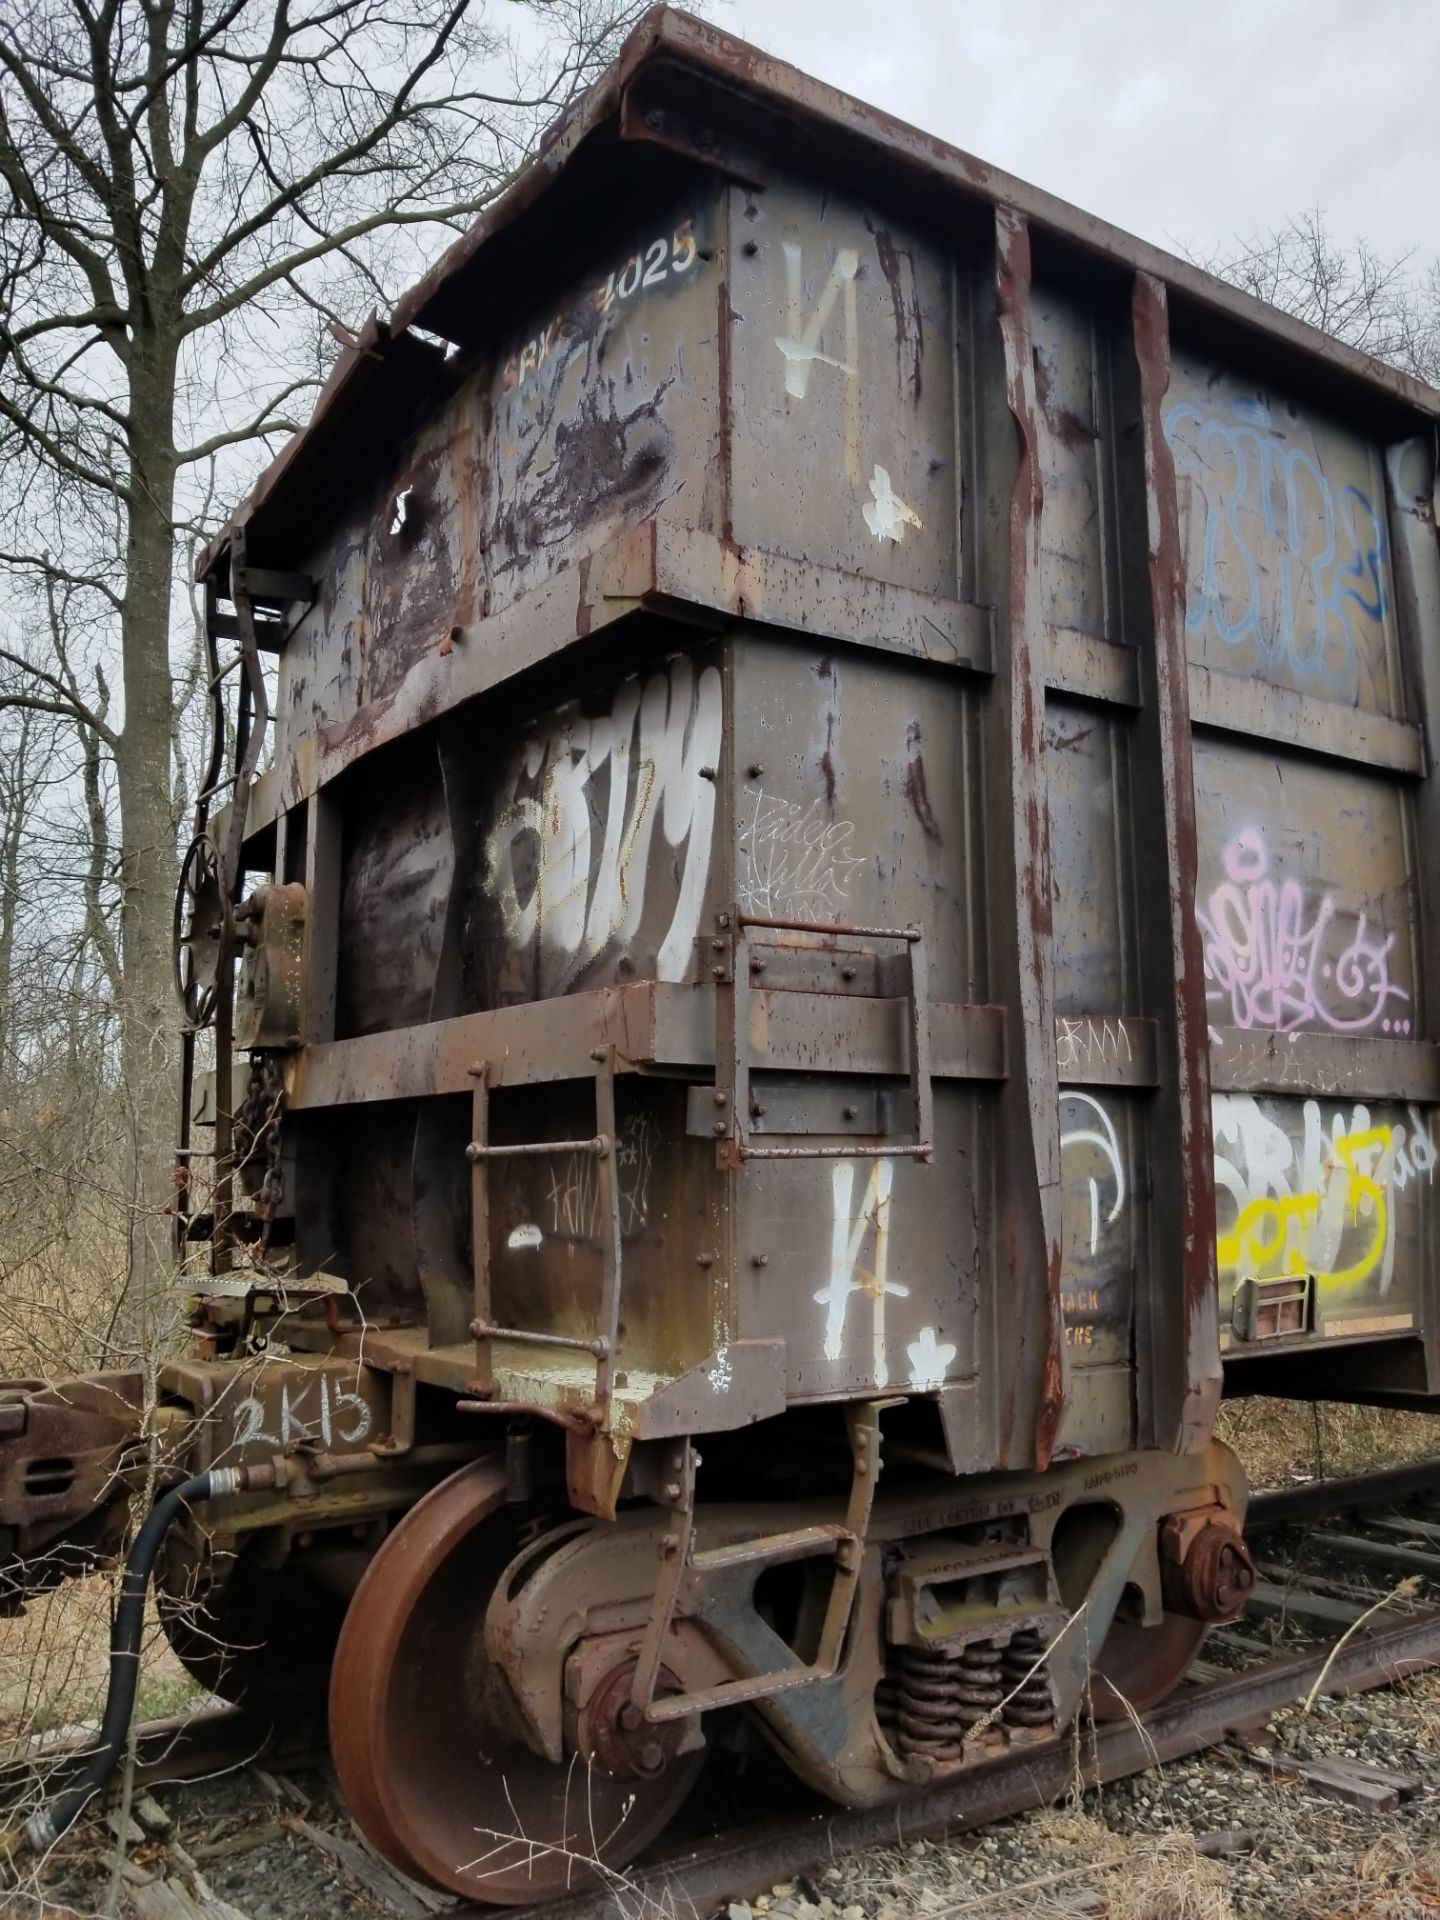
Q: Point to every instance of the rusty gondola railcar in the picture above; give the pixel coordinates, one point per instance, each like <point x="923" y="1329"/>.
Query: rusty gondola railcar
<point x="822" y="920"/>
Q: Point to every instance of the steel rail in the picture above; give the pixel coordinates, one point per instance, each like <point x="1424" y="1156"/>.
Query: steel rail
<point x="177" y="1747"/>
<point x="1317" y="1498"/>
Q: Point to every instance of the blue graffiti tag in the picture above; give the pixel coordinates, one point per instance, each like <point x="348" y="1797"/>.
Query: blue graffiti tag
<point x="1324" y="557"/>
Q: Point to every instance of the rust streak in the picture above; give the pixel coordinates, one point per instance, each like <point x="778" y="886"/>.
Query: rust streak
<point x="1032" y="843"/>
<point x="1201" y="1384"/>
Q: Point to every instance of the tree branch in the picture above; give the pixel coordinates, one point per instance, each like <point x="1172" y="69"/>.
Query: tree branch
<point x="60" y="698"/>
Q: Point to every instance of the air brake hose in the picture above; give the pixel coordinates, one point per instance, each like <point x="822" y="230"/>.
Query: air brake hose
<point x="45" y="1826"/>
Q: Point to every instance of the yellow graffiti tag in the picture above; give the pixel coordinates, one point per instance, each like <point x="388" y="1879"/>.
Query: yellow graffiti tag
<point x="1269" y="1236"/>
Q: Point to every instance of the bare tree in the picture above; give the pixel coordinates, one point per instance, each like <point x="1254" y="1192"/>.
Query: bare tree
<point x="1383" y="306"/>
<point x="18" y="752"/>
<point x="192" y="186"/>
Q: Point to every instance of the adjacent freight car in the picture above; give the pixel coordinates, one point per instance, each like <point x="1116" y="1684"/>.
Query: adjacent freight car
<point x="820" y="917"/>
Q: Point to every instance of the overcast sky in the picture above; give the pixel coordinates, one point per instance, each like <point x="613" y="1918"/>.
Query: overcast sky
<point x="1189" y="122"/>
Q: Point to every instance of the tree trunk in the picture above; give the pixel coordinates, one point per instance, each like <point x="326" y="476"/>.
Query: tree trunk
<point x="12" y="834"/>
<point x="148" y="1016"/>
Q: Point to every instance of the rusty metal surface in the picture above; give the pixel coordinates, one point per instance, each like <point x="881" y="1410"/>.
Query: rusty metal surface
<point x="379" y="380"/>
<point x="657" y="566"/>
<point x="1031" y="1349"/>
<point x="64" y="1503"/>
<point x="774" y="563"/>
<point x="1181" y="1361"/>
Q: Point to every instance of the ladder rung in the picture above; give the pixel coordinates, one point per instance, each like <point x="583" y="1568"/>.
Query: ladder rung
<point x="599" y="1146"/>
<point x="484" y="1330"/>
<point x="842" y="928"/>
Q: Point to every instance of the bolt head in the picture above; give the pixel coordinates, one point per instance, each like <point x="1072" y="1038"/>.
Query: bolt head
<point x="631" y="1717"/>
<point x="652" y="1756"/>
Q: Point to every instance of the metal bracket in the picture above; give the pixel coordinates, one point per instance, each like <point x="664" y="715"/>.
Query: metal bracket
<point x="732" y="1044"/>
<point x="676" y="1545"/>
<point x="682" y="1566"/>
<point x="1270" y="1309"/>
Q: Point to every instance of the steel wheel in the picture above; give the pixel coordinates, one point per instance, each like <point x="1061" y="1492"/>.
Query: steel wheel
<point x="1138" y="1667"/>
<point x="437" y="1785"/>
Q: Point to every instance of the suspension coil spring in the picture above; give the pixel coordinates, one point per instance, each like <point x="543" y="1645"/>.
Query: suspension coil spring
<point x="887" y="1697"/>
<point x="936" y="1697"/>
<point x="1027" y="1683"/>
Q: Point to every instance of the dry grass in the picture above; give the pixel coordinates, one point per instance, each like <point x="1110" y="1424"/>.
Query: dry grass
<point x="1067" y="1862"/>
<point x="1281" y="1441"/>
<point x="63" y="1259"/>
<point x="1395" y="1880"/>
<point x="1167" y="1879"/>
<point x="54" y="1665"/>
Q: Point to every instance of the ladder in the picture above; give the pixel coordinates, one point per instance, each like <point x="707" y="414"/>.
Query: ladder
<point x="481" y="1154"/>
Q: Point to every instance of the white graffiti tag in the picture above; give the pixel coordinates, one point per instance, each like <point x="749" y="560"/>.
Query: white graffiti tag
<point x="886" y="514"/>
<point x="848" y="1237"/>
<point x="1091" y="1138"/>
<point x="929" y="1360"/>
<point x="555" y="887"/>
<point x="1273" y="963"/>
<point x="576" y="1196"/>
<point x="1083" y="1043"/>
<point x="793" y="861"/>
<point x="800" y="343"/>
<point x="302" y="1412"/>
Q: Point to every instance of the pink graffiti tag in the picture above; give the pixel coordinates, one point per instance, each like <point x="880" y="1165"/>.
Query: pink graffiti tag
<point x="1270" y="959"/>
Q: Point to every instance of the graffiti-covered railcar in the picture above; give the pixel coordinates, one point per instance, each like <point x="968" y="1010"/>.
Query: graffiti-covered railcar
<point x="820" y="936"/>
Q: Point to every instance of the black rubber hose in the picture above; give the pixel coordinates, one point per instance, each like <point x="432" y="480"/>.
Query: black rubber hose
<point x="45" y="1826"/>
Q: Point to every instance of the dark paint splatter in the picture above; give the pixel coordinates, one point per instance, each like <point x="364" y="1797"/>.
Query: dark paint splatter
<point x="917" y="789"/>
